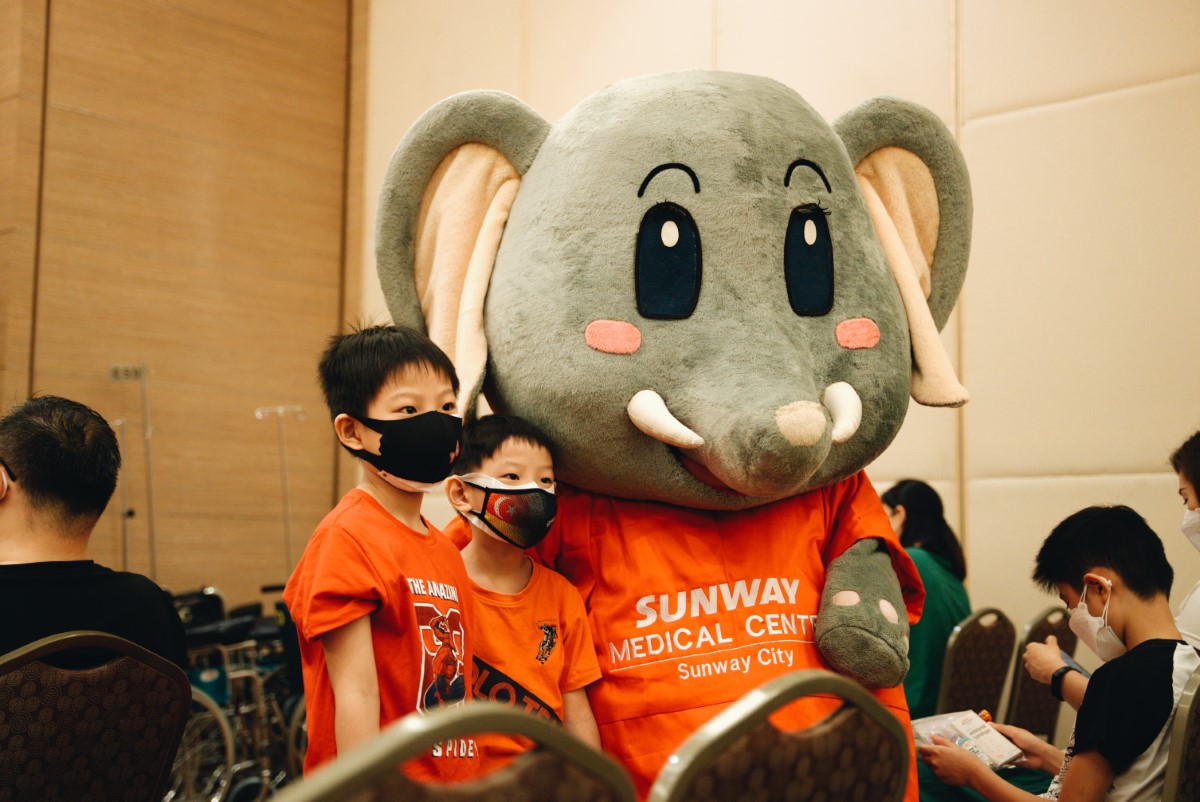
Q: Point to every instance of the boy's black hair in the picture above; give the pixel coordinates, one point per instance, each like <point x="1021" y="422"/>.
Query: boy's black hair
<point x="64" y="455"/>
<point x="1186" y="461"/>
<point x="481" y="439"/>
<point x="356" y="366"/>
<point x="925" y="522"/>
<point x="1116" y="538"/>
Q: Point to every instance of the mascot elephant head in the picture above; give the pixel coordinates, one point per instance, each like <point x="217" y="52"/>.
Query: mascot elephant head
<point x="702" y="291"/>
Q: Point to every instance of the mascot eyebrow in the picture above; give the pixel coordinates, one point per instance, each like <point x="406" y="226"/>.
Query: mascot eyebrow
<point x="816" y="168"/>
<point x="672" y="166"/>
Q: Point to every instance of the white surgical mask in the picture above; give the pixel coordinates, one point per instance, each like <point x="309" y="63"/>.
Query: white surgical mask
<point x="1094" y="631"/>
<point x="1191" y="527"/>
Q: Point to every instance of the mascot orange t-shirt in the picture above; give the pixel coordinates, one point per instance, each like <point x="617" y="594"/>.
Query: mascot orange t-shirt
<point x="691" y="609"/>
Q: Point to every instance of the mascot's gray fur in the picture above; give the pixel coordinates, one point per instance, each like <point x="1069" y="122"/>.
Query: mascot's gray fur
<point x="705" y="294"/>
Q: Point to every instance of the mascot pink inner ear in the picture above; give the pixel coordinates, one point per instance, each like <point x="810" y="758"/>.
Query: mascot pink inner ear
<point x="613" y="336"/>
<point x="857" y="332"/>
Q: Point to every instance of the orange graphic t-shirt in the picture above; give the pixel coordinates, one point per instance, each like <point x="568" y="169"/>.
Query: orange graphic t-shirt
<point x="362" y="561"/>
<point x="691" y="609"/>
<point x="530" y="649"/>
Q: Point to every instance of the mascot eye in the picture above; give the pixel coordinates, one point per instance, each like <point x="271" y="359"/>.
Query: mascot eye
<point x="667" y="263"/>
<point x="808" y="262"/>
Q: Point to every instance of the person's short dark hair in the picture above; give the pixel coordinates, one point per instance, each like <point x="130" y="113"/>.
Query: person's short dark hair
<point x="1186" y="460"/>
<point x="63" y="454"/>
<point x="482" y="438"/>
<point x="1116" y="538"/>
<point x="925" y="522"/>
<point x="356" y="366"/>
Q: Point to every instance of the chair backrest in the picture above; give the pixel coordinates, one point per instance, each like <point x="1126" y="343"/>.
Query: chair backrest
<point x="1182" y="782"/>
<point x="104" y="732"/>
<point x="978" y="653"/>
<point x="860" y="751"/>
<point x="558" y="767"/>
<point x="1030" y="703"/>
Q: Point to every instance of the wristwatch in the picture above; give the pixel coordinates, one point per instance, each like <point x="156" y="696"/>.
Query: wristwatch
<point x="1056" y="681"/>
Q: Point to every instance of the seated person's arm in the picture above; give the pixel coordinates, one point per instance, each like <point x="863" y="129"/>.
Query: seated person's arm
<point x="1087" y="778"/>
<point x="578" y="719"/>
<point x="350" y="661"/>
<point x="1043" y="659"/>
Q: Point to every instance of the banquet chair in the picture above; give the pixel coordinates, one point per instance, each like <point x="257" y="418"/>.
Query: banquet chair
<point x="107" y="731"/>
<point x="860" y="751"/>
<point x="1030" y="703"/>
<point x="1182" y="782"/>
<point x="978" y="654"/>
<point x="559" y="767"/>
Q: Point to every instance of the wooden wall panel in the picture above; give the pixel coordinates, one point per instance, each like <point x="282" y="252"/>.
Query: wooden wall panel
<point x="192" y="219"/>
<point x="22" y="52"/>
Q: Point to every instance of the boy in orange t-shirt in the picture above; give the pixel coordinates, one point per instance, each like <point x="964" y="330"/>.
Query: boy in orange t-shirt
<point x="533" y="645"/>
<point x="379" y="595"/>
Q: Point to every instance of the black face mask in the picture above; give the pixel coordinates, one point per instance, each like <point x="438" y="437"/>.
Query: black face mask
<point x="419" y="449"/>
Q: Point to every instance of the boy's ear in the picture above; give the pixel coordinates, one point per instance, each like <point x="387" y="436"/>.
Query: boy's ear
<point x="456" y="494"/>
<point x="346" y="429"/>
<point x="1098" y="585"/>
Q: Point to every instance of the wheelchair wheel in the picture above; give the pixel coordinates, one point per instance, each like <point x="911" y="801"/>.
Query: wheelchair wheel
<point x="297" y="743"/>
<point x="204" y="764"/>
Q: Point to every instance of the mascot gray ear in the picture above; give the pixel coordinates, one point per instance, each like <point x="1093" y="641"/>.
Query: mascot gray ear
<point x="445" y="199"/>
<point x="918" y="194"/>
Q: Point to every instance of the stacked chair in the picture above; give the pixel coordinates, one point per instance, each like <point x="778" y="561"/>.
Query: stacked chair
<point x="978" y="654"/>
<point x="1030" y="704"/>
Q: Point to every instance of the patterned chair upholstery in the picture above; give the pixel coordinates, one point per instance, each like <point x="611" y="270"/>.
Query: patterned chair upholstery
<point x="105" y="732"/>
<point x="978" y="654"/>
<point x="1183" y="759"/>
<point x="860" y="751"/>
<point x="1030" y="704"/>
<point x="559" y="767"/>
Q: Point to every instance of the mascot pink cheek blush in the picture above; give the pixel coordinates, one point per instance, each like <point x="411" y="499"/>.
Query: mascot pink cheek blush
<point x="612" y="337"/>
<point x="857" y="332"/>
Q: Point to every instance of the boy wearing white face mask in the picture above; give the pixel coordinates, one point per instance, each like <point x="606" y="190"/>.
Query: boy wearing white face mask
<point x="1044" y="661"/>
<point x="1109" y="568"/>
<point x="533" y="644"/>
<point x="1186" y="462"/>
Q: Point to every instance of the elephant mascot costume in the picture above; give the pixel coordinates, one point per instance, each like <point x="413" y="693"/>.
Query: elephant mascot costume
<point x="717" y="305"/>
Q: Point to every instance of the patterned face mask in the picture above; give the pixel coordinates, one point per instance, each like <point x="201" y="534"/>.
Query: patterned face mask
<point x="517" y="514"/>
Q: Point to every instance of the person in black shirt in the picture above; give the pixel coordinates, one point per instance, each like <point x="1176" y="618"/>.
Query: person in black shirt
<point x="58" y="468"/>
<point x="1110" y="569"/>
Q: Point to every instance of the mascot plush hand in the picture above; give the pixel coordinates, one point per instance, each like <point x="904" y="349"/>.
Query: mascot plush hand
<point x="717" y="305"/>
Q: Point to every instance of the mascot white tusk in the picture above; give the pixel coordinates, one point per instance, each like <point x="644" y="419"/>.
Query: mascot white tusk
<point x="649" y="413"/>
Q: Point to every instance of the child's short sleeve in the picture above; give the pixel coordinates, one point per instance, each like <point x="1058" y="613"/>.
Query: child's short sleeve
<point x="1127" y="703"/>
<point x="580" y="665"/>
<point x="334" y="583"/>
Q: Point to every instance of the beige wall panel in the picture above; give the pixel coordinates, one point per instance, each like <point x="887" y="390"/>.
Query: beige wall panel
<point x="1010" y="518"/>
<point x="1083" y="329"/>
<point x="839" y="54"/>
<point x="192" y="219"/>
<point x="1023" y="53"/>
<point x="421" y="53"/>
<point x="574" y="49"/>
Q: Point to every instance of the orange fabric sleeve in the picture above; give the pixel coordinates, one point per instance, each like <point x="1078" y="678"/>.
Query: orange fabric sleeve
<point x="334" y="584"/>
